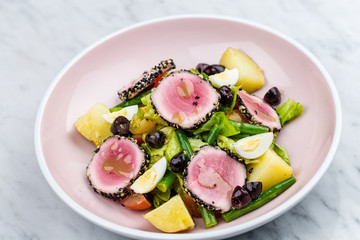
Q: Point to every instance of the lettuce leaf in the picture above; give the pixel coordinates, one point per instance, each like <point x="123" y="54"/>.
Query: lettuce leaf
<point x="219" y="118"/>
<point x="149" y="111"/>
<point x="281" y="152"/>
<point x="196" y="143"/>
<point x="289" y="111"/>
<point x="228" y="109"/>
<point x="173" y="147"/>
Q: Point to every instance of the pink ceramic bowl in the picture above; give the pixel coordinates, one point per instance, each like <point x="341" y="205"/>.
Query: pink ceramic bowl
<point x="96" y="74"/>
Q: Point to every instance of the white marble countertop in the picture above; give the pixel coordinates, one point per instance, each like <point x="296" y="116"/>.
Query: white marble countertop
<point x="37" y="38"/>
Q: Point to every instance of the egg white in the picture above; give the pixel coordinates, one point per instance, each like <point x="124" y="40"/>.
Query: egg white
<point x="127" y="112"/>
<point x="265" y="141"/>
<point x="226" y="78"/>
<point x="143" y="185"/>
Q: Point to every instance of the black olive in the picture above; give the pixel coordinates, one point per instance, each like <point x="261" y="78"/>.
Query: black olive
<point x="226" y="94"/>
<point x="120" y="126"/>
<point x="254" y="189"/>
<point x="214" y="69"/>
<point x="240" y="197"/>
<point x="178" y="163"/>
<point x="155" y="139"/>
<point x="273" y="96"/>
<point x="201" y="66"/>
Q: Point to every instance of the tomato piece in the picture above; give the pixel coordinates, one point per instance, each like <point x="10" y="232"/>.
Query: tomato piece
<point x="136" y="201"/>
<point x="138" y="138"/>
<point x="140" y="125"/>
<point x="157" y="80"/>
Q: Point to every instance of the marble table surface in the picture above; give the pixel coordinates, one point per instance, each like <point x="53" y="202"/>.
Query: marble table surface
<point x="37" y="38"/>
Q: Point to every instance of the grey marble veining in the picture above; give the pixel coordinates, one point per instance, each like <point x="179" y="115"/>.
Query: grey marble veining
<point x="37" y="38"/>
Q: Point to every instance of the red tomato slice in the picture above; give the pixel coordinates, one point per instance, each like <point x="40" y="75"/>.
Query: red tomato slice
<point x="138" y="138"/>
<point x="136" y="201"/>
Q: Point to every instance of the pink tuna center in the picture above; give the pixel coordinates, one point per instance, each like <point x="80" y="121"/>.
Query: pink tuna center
<point x="209" y="178"/>
<point x="260" y="111"/>
<point x="185" y="89"/>
<point x="120" y="165"/>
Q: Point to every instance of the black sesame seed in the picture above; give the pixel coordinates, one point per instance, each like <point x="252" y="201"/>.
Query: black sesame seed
<point x="250" y="170"/>
<point x="197" y="97"/>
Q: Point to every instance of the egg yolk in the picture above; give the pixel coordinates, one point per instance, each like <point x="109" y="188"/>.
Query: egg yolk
<point x="250" y="145"/>
<point x="147" y="179"/>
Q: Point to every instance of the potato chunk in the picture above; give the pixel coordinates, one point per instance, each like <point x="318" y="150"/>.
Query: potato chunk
<point x="251" y="76"/>
<point x="270" y="170"/>
<point x="92" y="125"/>
<point x="170" y="217"/>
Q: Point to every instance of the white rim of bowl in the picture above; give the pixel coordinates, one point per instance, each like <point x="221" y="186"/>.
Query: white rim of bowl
<point x="221" y="233"/>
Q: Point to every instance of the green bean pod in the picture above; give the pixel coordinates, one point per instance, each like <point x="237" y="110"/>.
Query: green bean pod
<point x="247" y="128"/>
<point x="264" y="198"/>
<point x="208" y="217"/>
<point x="130" y="102"/>
<point x="184" y="143"/>
<point x="214" y="132"/>
<point x="167" y="181"/>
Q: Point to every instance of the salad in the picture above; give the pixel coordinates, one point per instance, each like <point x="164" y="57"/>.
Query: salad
<point x="191" y="143"/>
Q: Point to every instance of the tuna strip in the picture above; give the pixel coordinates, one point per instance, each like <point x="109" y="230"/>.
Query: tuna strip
<point x="211" y="177"/>
<point x="185" y="99"/>
<point x="257" y="111"/>
<point x="115" y="165"/>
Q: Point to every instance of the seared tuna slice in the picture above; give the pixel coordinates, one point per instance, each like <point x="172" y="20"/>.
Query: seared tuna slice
<point x="115" y="165"/>
<point x="257" y="111"/>
<point x="185" y="99"/>
<point x="211" y="176"/>
<point x="148" y="77"/>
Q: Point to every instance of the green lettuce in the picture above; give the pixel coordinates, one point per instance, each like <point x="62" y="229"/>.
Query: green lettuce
<point x="281" y="152"/>
<point x="204" y="75"/>
<point x="228" y="109"/>
<point x="149" y="111"/>
<point x="196" y="143"/>
<point x="173" y="147"/>
<point x="219" y="118"/>
<point x="289" y="111"/>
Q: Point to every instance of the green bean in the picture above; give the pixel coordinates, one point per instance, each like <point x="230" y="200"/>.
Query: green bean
<point x="167" y="181"/>
<point x="247" y="128"/>
<point x="214" y="132"/>
<point x="130" y="102"/>
<point x="208" y="217"/>
<point x="240" y="136"/>
<point x="264" y="198"/>
<point x="184" y="143"/>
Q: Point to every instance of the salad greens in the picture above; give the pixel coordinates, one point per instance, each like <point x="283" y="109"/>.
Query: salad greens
<point x="289" y="111"/>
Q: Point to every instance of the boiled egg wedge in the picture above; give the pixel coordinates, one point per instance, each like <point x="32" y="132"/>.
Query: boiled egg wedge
<point x="254" y="146"/>
<point x="127" y="112"/>
<point x="148" y="181"/>
<point x="227" y="77"/>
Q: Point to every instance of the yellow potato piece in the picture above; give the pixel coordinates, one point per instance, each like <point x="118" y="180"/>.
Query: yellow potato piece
<point x="270" y="170"/>
<point x="93" y="126"/>
<point x="171" y="217"/>
<point x="251" y="76"/>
